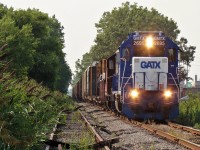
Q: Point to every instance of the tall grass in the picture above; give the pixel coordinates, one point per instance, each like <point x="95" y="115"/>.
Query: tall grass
<point x="84" y="140"/>
<point x="28" y="111"/>
<point x="190" y="111"/>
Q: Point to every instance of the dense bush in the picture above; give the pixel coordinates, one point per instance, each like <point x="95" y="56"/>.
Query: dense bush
<point x="28" y="111"/>
<point x="190" y="111"/>
<point x="31" y="45"/>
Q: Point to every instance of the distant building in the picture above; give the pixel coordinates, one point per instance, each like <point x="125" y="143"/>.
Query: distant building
<point x="197" y="83"/>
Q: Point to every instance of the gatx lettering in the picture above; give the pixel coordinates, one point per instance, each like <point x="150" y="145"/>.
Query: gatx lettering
<point x="150" y="64"/>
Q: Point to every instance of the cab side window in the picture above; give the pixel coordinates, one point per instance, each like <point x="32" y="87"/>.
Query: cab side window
<point x="172" y="55"/>
<point x="126" y="54"/>
<point x="117" y="57"/>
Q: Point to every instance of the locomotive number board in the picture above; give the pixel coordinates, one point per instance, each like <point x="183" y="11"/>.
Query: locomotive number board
<point x="157" y="41"/>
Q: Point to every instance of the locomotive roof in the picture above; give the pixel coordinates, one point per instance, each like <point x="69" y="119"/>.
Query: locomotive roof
<point x="148" y="32"/>
<point x="144" y="33"/>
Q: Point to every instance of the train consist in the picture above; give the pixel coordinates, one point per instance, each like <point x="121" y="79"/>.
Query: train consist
<point x="139" y="81"/>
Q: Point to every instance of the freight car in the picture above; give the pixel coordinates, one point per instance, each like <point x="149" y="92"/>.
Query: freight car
<point x="140" y="80"/>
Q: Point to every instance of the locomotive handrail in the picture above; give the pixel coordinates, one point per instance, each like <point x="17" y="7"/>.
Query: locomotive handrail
<point x="175" y="84"/>
<point x="125" y="86"/>
<point x="165" y="73"/>
<point x="134" y="84"/>
<point x="178" y="78"/>
<point x="131" y="76"/>
<point x="125" y="77"/>
<point x="123" y="72"/>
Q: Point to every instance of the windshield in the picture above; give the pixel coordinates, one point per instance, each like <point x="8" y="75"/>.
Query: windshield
<point x="143" y="51"/>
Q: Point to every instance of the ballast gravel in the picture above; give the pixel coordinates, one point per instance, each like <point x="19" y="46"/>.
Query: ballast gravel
<point x="130" y="137"/>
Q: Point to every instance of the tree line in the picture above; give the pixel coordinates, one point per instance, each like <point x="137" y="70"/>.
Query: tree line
<point x="34" y="43"/>
<point x="115" y="26"/>
<point x="28" y="110"/>
<point x="31" y="46"/>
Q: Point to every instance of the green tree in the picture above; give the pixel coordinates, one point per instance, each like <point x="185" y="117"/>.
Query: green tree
<point x="28" y="110"/>
<point x="4" y="10"/>
<point x="35" y="42"/>
<point x="114" y="27"/>
<point x="21" y="45"/>
<point x="48" y="32"/>
<point x="81" y="65"/>
<point x="187" y="56"/>
<point x="78" y="71"/>
<point x="65" y="75"/>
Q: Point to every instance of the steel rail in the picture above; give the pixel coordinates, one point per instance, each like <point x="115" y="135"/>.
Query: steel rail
<point x="185" y="128"/>
<point x="51" y="137"/>
<point x="168" y="136"/>
<point x="180" y="141"/>
<point x="160" y="133"/>
<point x="173" y="138"/>
<point x="97" y="136"/>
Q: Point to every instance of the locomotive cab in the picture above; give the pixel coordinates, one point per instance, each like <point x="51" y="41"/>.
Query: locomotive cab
<point x="148" y="76"/>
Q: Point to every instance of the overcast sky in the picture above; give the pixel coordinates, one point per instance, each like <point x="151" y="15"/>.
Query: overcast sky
<point x="79" y="17"/>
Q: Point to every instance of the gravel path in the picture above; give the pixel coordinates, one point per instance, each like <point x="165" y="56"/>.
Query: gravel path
<point x="130" y="136"/>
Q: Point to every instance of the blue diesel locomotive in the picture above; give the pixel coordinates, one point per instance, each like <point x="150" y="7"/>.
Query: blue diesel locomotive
<point x="139" y="81"/>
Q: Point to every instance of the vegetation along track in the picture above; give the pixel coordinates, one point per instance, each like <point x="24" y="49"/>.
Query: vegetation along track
<point x="75" y="132"/>
<point x="130" y="133"/>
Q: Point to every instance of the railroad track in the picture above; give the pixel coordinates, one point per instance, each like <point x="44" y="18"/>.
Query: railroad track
<point x="191" y="142"/>
<point x="186" y="136"/>
<point x="185" y="128"/>
<point x="118" y="132"/>
<point x="71" y="133"/>
<point x="185" y="139"/>
<point x="165" y="134"/>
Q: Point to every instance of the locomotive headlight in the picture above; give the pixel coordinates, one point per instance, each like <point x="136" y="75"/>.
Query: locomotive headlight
<point x="149" y="42"/>
<point x="168" y="93"/>
<point x="134" y="93"/>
